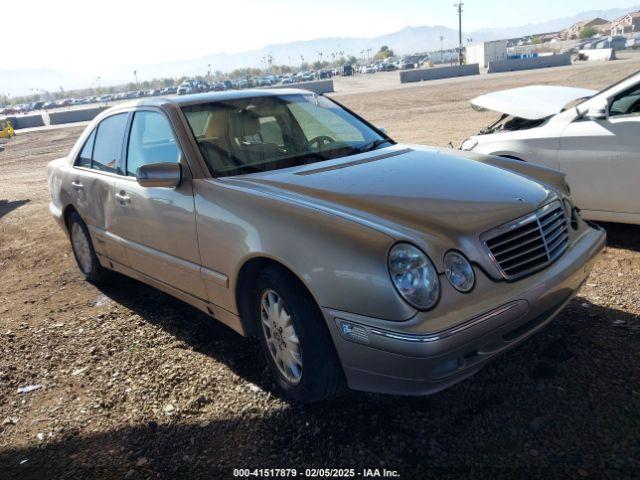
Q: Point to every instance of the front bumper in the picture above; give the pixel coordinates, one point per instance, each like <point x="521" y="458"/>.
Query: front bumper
<point x="393" y="360"/>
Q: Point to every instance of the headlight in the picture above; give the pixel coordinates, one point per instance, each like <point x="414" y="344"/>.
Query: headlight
<point x="414" y="276"/>
<point x="469" y="144"/>
<point x="459" y="271"/>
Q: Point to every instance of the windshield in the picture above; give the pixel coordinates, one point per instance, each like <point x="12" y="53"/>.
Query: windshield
<point x="259" y="134"/>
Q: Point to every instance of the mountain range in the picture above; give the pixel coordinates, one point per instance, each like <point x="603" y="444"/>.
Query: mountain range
<point x="405" y="41"/>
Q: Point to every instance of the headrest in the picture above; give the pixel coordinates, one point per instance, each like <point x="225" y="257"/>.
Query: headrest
<point x="216" y="125"/>
<point x="243" y="123"/>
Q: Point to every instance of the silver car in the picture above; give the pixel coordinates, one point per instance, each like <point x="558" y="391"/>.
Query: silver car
<point x="356" y="261"/>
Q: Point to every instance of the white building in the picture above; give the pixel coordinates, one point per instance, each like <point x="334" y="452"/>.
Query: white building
<point x="485" y="52"/>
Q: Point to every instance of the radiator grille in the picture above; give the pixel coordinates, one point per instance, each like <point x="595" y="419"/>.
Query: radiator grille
<point x="529" y="244"/>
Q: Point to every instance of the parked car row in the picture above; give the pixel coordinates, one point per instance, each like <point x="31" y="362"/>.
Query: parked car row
<point x="193" y="86"/>
<point x="596" y="43"/>
<point x="199" y="86"/>
<point x="387" y="66"/>
<point x="40" y="105"/>
<point x="68" y="102"/>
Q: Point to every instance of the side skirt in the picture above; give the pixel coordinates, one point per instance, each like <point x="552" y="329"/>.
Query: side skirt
<point x="229" y="319"/>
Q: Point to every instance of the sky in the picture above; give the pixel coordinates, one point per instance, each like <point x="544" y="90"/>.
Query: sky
<point x="74" y="35"/>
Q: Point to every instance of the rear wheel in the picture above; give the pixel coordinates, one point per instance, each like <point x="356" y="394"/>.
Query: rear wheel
<point x="295" y="339"/>
<point x="83" y="251"/>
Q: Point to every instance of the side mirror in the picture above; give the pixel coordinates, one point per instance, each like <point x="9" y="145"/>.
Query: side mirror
<point x="597" y="112"/>
<point x="159" y="175"/>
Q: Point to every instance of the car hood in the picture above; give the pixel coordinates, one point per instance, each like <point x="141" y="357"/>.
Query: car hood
<point x="425" y="190"/>
<point x="532" y="103"/>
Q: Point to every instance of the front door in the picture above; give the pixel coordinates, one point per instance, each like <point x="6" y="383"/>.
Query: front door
<point x="602" y="158"/>
<point x="157" y="224"/>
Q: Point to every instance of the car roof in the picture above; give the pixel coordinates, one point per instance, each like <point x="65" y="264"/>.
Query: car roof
<point x="198" y="98"/>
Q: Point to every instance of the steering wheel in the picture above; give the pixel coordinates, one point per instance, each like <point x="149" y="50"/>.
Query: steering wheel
<point x="321" y="141"/>
<point x="635" y="108"/>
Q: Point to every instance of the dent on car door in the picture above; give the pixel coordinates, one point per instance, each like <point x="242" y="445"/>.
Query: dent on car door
<point x="91" y="184"/>
<point x="157" y="224"/>
<point x="602" y="157"/>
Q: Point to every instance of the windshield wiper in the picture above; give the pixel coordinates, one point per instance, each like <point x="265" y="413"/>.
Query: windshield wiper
<point x="367" y="147"/>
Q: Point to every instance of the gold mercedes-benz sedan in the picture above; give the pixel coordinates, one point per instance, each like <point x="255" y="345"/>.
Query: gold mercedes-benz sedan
<point x="355" y="260"/>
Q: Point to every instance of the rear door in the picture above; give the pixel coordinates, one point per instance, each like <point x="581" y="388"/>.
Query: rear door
<point x="92" y="182"/>
<point x="157" y="224"/>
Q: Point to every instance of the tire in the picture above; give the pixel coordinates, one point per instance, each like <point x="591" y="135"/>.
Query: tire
<point x="320" y="374"/>
<point x="83" y="250"/>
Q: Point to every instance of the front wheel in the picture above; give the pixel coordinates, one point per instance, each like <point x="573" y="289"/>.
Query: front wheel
<point x="83" y="251"/>
<point x="295" y="339"/>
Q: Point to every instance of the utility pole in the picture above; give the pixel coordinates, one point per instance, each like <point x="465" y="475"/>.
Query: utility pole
<point x="441" y="49"/>
<point x="459" y="6"/>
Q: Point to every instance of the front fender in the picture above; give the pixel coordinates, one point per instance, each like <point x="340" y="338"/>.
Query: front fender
<point x="342" y="263"/>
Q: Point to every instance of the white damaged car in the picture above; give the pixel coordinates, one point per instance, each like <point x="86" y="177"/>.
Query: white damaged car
<point x="593" y="137"/>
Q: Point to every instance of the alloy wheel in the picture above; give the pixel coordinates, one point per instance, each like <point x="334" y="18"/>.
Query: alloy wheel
<point x="280" y="335"/>
<point x="81" y="247"/>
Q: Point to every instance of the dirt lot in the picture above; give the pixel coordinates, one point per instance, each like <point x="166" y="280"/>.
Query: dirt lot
<point x="136" y="384"/>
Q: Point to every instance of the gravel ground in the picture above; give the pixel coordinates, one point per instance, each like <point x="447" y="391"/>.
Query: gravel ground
<point x="135" y="384"/>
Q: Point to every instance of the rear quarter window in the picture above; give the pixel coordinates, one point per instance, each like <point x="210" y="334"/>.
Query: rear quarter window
<point x="84" y="158"/>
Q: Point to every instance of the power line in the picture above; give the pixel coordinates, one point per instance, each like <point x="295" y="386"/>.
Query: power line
<point x="459" y="7"/>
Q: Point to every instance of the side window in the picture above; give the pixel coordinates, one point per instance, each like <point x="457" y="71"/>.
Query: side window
<point x="151" y="141"/>
<point x="627" y="103"/>
<point x="84" y="159"/>
<point x="108" y="143"/>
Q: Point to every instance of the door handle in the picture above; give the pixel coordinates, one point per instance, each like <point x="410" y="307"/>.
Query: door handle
<point x="123" y="198"/>
<point x="76" y="184"/>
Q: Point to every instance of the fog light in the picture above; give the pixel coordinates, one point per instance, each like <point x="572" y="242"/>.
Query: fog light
<point x="354" y="332"/>
<point x="445" y="368"/>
